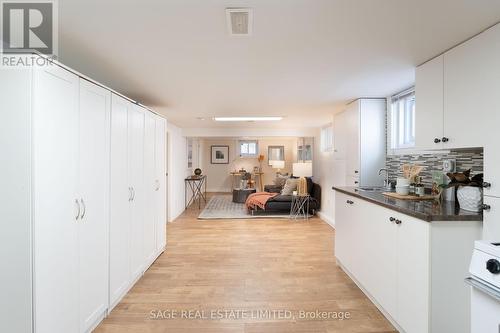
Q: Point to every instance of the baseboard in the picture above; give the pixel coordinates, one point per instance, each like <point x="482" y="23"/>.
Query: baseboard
<point x="327" y="219"/>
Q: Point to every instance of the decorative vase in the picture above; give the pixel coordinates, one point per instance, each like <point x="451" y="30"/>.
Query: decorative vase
<point x="470" y="198"/>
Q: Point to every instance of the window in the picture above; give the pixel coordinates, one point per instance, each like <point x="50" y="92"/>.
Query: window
<point x="249" y="148"/>
<point x="403" y="120"/>
<point x="327" y="138"/>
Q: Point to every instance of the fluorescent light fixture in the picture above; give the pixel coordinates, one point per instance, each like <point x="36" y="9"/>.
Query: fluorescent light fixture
<point x="247" y="118"/>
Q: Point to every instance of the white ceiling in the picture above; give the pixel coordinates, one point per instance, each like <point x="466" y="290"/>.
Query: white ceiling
<point x="304" y="60"/>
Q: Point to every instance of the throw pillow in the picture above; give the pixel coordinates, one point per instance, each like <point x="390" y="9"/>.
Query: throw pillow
<point x="280" y="180"/>
<point x="290" y="186"/>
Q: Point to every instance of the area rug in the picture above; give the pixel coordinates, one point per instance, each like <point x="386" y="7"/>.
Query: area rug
<point x="223" y="207"/>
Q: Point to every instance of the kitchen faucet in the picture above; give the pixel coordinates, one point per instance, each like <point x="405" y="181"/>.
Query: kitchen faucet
<point x="386" y="180"/>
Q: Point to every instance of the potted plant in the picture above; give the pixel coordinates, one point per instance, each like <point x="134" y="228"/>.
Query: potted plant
<point x="469" y="191"/>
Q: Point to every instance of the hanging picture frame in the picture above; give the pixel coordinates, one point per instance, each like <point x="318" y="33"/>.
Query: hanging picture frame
<point x="219" y="155"/>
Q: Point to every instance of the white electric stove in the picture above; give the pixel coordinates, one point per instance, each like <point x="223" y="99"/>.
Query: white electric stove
<point x="485" y="291"/>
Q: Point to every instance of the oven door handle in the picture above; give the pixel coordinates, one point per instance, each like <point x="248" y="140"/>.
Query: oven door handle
<point x="483" y="287"/>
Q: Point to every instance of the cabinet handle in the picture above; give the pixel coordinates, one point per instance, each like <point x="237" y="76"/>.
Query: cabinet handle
<point x="350" y="202"/>
<point x="436" y="140"/>
<point x="78" y="205"/>
<point x="133" y="193"/>
<point x="485" y="207"/>
<point x="398" y="222"/>
<point x="445" y="139"/>
<point x="486" y="185"/>
<point x="356" y="182"/>
<point x="84" y="209"/>
<point x="356" y="171"/>
<point x="392" y="219"/>
<point x="130" y="193"/>
<point x="157" y="185"/>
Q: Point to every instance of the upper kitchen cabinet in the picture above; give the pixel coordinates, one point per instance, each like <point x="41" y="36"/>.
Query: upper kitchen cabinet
<point x="456" y="104"/>
<point x="471" y="86"/>
<point x="429" y="104"/>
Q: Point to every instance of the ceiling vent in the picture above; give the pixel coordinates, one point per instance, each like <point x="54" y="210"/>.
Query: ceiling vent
<point x="239" y="21"/>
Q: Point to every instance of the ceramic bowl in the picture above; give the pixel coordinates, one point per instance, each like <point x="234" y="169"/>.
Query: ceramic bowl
<point x="403" y="190"/>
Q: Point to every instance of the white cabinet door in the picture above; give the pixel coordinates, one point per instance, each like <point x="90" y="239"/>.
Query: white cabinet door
<point x="491" y="219"/>
<point x="120" y="196"/>
<point x="345" y="220"/>
<point x="377" y="237"/>
<point x="491" y="167"/>
<point x="136" y="177"/>
<point x="412" y="274"/>
<point x="150" y="186"/>
<point x="95" y="105"/>
<point x="353" y="142"/>
<point x="55" y="181"/>
<point x="161" y="177"/>
<point x="429" y="104"/>
<point x="471" y="86"/>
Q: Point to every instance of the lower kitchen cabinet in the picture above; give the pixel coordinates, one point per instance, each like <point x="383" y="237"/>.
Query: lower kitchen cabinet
<point x="413" y="270"/>
<point x="491" y="216"/>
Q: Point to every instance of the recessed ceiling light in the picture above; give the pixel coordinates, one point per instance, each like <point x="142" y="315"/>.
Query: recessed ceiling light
<point x="247" y="118"/>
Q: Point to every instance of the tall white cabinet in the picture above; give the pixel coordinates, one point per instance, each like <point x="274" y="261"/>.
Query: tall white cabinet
<point x="138" y="194"/>
<point x="94" y="156"/>
<point x="57" y="209"/>
<point x="87" y="198"/>
<point x="359" y="143"/>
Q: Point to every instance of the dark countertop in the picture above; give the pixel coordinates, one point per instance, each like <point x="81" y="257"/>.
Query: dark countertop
<point x="424" y="210"/>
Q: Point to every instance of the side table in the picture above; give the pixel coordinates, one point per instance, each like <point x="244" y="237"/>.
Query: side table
<point x="300" y="207"/>
<point x="198" y="190"/>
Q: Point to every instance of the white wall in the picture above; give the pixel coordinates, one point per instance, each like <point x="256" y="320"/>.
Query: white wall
<point x="323" y="169"/>
<point x="177" y="170"/>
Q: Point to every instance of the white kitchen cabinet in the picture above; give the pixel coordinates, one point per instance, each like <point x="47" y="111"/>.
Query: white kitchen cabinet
<point x="161" y="179"/>
<point x="95" y="106"/>
<point x="413" y="270"/>
<point x="137" y="159"/>
<point x="412" y="285"/>
<point x="76" y="228"/>
<point x="136" y="179"/>
<point x="359" y="139"/>
<point x="429" y="104"/>
<point x="120" y="196"/>
<point x="380" y="253"/>
<point x="471" y="86"/>
<point x="491" y="167"/>
<point x="150" y="186"/>
<point x="56" y="206"/>
<point x="491" y="219"/>
<point x="455" y="94"/>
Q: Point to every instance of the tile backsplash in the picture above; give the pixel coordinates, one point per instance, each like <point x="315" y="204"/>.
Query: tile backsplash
<point x="434" y="162"/>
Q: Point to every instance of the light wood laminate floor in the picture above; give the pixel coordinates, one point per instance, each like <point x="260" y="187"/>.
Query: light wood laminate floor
<point x="245" y="266"/>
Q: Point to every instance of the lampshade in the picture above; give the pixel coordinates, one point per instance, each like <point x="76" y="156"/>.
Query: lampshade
<point x="277" y="164"/>
<point x="302" y="169"/>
